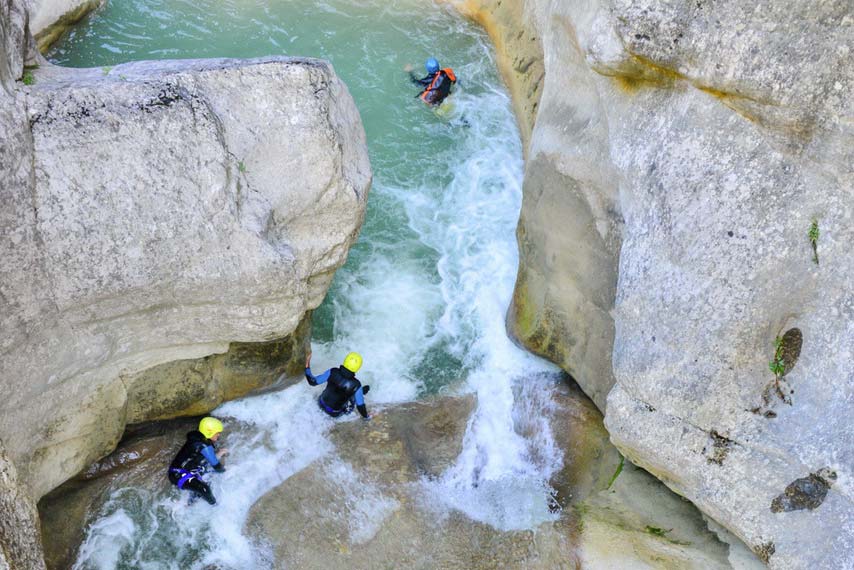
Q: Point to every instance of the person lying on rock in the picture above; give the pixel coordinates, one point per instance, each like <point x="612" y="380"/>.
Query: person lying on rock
<point x="436" y="85"/>
<point x="197" y="457"/>
<point x="343" y="390"/>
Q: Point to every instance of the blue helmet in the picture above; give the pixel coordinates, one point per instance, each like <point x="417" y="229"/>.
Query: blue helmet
<point x="432" y="65"/>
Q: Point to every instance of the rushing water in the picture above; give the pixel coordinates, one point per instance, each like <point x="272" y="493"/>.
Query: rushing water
<point x="422" y="296"/>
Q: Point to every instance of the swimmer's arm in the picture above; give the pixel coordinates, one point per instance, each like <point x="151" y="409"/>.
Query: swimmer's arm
<point x="422" y="82"/>
<point x="315" y="380"/>
<point x="209" y="454"/>
<point x="359" y="396"/>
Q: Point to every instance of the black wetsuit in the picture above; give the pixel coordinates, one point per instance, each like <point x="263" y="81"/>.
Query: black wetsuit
<point x="436" y="86"/>
<point x="343" y="392"/>
<point x="196" y="457"/>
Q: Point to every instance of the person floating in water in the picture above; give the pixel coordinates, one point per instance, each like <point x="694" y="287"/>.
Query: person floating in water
<point x="437" y="84"/>
<point x="343" y="390"/>
<point x="196" y="457"/>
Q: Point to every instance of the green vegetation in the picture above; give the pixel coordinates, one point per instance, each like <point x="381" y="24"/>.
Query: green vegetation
<point x="581" y="510"/>
<point x="617" y="472"/>
<point x="813" y="235"/>
<point x="778" y="364"/>
<point x="28" y="78"/>
<point x="660" y="532"/>
<point x="106" y="70"/>
<point x="241" y="167"/>
<point x="778" y="368"/>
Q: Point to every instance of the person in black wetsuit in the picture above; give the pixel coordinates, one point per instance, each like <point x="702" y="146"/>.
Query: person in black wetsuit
<point x="436" y="85"/>
<point x="343" y="390"/>
<point x="196" y="457"/>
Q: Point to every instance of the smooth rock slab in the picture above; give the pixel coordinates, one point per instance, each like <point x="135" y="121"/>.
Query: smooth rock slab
<point x="367" y="508"/>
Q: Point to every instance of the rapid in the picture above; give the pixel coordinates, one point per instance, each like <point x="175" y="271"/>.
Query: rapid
<point x="423" y="295"/>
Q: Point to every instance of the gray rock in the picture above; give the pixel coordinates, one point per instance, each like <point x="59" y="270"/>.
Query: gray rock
<point x="173" y="208"/>
<point x="20" y="547"/>
<point x="696" y="142"/>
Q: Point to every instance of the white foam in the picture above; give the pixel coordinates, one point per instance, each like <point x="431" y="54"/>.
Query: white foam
<point x="459" y="208"/>
<point x="105" y="540"/>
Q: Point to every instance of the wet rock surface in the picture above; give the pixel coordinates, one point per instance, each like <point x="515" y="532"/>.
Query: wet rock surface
<point x="139" y="460"/>
<point x="52" y="18"/>
<point x="367" y="506"/>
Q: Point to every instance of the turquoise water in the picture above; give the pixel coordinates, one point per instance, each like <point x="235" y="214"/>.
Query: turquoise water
<point x="423" y="294"/>
<point x="368" y="43"/>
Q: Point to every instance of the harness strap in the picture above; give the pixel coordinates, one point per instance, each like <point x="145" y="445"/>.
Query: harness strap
<point x="432" y="86"/>
<point x="186" y="476"/>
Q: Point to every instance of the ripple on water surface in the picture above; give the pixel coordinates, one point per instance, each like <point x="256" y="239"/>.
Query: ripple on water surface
<point x="422" y="296"/>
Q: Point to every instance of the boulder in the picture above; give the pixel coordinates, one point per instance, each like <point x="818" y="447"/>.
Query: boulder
<point x="173" y="208"/>
<point x="687" y="201"/>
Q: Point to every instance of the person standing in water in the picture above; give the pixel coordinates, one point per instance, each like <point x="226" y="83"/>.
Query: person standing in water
<point x="343" y="390"/>
<point x="436" y="85"/>
<point x="197" y="457"/>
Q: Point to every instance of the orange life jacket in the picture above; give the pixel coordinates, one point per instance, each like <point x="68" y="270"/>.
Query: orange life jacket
<point x="448" y="72"/>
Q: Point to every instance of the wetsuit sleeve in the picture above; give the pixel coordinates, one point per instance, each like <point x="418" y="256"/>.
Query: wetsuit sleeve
<point x="209" y="454"/>
<point x="315" y="380"/>
<point x="359" y="396"/>
<point x="424" y="82"/>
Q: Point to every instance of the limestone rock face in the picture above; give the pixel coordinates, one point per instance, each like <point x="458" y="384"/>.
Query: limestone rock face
<point x="19" y="526"/>
<point x="681" y="154"/>
<point x="172" y="208"/>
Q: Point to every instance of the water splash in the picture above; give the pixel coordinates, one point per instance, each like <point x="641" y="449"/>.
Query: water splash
<point x="422" y="297"/>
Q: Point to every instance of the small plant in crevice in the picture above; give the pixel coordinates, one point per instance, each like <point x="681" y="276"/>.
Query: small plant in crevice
<point x="778" y="368"/>
<point x="787" y="350"/>
<point x="241" y="166"/>
<point x="28" y="78"/>
<point x="617" y="472"/>
<point x="813" y="235"/>
<point x="106" y="70"/>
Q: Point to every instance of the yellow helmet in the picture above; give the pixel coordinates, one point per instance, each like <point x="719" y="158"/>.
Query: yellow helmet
<point x="210" y="427"/>
<point x="353" y="362"/>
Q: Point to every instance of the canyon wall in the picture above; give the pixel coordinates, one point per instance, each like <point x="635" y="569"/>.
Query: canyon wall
<point x="681" y="157"/>
<point x="155" y="214"/>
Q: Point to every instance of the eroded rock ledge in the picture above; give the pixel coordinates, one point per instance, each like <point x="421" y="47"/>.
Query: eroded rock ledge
<point x="154" y="215"/>
<point x="680" y="155"/>
<point x="171" y="208"/>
